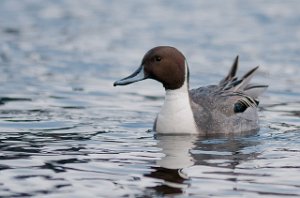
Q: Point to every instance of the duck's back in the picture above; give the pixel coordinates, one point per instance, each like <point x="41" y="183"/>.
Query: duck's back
<point x="215" y="113"/>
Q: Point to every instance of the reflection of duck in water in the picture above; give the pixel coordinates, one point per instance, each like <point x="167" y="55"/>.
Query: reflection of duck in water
<point x="176" y="150"/>
<point x="185" y="154"/>
<point x="225" y="152"/>
<point x="177" y="156"/>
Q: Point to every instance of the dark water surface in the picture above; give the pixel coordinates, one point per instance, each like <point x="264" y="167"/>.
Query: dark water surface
<point x="66" y="132"/>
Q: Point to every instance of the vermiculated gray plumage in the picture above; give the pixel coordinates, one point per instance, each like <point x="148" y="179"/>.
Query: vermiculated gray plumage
<point x="229" y="107"/>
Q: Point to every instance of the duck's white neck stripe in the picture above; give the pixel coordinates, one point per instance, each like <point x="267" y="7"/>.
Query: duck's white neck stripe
<point x="186" y="73"/>
<point x="176" y="115"/>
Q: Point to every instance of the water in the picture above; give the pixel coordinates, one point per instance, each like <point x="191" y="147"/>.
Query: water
<point x="66" y="132"/>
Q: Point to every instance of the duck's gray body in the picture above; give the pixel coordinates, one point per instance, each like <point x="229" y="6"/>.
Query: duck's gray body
<point x="229" y="107"/>
<point x="214" y="112"/>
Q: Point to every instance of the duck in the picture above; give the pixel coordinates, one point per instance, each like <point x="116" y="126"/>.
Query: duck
<point x="227" y="107"/>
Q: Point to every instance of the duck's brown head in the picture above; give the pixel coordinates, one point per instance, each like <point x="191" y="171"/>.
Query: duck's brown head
<point x="164" y="64"/>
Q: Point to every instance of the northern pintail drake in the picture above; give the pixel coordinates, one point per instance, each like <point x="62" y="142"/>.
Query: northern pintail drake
<point x="230" y="107"/>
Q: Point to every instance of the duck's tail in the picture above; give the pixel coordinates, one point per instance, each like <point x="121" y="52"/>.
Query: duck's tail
<point x="232" y="83"/>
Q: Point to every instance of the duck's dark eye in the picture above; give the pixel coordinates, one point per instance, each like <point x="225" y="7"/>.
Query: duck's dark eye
<point x="157" y="58"/>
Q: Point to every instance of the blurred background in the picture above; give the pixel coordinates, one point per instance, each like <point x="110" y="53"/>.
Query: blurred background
<point x="63" y="124"/>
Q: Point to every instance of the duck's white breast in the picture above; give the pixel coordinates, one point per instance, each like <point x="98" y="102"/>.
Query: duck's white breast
<point x="176" y="115"/>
